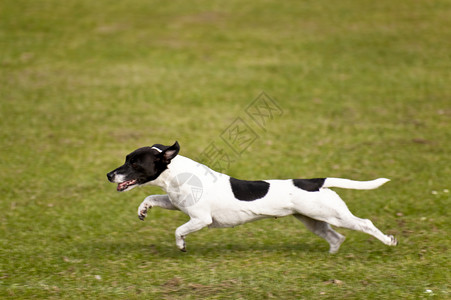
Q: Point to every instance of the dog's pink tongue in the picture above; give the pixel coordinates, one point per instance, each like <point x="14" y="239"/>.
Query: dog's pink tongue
<point x="123" y="185"/>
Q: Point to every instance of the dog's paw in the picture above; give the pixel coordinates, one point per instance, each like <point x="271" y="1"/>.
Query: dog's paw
<point x="334" y="247"/>
<point x="142" y="212"/>
<point x="180" y="243"/>
<point x="393" y="241"/>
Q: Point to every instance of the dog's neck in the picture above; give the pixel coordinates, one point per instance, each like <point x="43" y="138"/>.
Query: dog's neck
<point x="181" y="165"/>
<point x="178" y="165"/>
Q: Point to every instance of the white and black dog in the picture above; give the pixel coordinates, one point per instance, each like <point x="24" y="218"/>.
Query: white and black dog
<point x="213" y="199"/>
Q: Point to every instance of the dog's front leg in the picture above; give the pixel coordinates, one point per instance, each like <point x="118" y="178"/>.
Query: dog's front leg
<point x="187" y="228"/>
<point x="154" y="200"/>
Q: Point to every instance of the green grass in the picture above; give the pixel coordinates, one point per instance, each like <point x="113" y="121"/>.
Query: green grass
<point x="364" y="87"/>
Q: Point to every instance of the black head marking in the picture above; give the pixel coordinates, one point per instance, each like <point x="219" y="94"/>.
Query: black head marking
<point x="310" y="185"/>
<point x="248" y="190"/>
<point x="143" y="165"/>
<point x="167" y="153"/>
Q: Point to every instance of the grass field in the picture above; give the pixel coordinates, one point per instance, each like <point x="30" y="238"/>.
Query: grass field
<point x="364" y="89"/>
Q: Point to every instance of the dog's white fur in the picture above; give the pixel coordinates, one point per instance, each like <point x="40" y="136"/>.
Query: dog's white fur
<point x="218" y="207"/>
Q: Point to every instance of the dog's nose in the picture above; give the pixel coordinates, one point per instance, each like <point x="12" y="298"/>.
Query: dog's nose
<point x="110" y="176"/>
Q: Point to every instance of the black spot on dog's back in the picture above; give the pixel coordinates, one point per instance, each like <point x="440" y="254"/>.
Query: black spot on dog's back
<point x="310" y="185"/>
<point x="248" y="190"/>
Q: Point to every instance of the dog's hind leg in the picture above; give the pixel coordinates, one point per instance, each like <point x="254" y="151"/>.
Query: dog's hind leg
<point x="335" y="212"/>
<point x="366" y="226"/>
<point x="323" y="230"/>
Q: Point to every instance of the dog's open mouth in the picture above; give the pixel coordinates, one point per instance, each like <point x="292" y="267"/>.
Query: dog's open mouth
<point x="126" y="184"/>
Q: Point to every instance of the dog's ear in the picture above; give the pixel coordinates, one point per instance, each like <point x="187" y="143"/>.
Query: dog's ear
<point x="171" y="152"/>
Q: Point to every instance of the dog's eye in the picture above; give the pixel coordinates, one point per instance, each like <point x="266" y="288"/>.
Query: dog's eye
<point x="135" y="166"/>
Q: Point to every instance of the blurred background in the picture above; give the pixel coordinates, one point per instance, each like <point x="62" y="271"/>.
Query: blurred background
<point x="361" y="90"/>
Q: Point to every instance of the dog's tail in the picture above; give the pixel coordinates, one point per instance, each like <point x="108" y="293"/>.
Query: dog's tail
<point x="353" y="184"/>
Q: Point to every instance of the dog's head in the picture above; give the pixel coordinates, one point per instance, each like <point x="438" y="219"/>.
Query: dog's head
<point x="143" y="166"/>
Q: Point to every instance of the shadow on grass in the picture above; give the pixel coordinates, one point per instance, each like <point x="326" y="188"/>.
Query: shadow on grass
<point x="163" y="249"/>
<point x="205" y="250"/>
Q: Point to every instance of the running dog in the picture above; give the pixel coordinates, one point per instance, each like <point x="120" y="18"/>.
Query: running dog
<point x="214" y="199"/>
